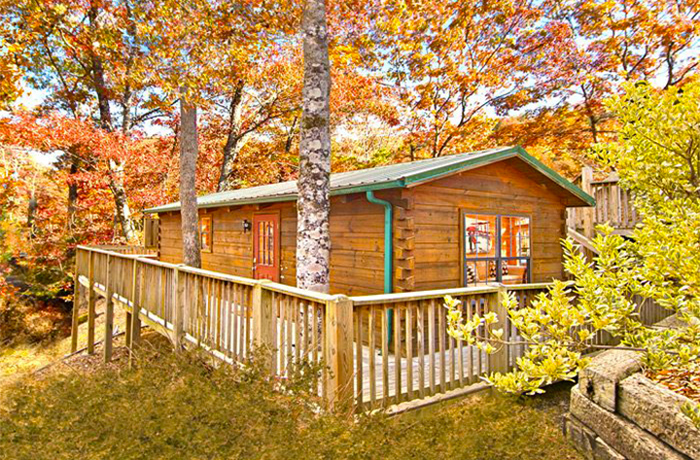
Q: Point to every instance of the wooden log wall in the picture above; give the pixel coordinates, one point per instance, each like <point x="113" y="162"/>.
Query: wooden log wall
<point x="504" y="188"/>
<point x="357" y="243"/>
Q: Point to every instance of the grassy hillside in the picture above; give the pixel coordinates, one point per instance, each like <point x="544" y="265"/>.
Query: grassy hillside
<point x="183" y="406"/>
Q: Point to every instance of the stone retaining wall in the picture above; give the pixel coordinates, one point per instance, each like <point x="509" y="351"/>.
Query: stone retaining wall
<point x="618" y="414"/>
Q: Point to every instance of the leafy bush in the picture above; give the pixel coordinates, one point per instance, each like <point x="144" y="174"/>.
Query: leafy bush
<point x="657" y="157"/>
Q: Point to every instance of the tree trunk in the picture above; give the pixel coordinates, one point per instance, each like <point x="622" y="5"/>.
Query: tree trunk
<point x="72" y="192"/>
<point x="233" y="142"/>
<point x="313" y="206"/>
<point x="116" y="168"/>
<point x="191" y="250"/>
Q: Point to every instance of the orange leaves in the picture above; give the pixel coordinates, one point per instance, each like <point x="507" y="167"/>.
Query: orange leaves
<point x="682" y="380"/>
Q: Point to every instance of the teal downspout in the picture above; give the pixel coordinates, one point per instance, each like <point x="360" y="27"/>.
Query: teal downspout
<point x="388" y="254"/>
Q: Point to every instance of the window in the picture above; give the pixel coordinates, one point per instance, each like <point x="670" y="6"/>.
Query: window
<point x="265" y="254"/>
<point x="205" y="233"/>
<point x="496" y="249"/>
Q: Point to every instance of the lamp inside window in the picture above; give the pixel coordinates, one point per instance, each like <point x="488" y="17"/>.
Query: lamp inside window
<point x="205" y="233"/>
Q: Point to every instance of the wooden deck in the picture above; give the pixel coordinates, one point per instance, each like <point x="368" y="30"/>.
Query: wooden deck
<point x="376" y="351"/>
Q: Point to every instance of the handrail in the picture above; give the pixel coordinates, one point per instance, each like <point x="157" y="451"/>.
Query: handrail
<point x="420" y="295"/>
<point x="277" y="287"/>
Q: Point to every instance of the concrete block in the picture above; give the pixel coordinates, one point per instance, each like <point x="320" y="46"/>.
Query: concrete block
<point x="623" y="436"/>
<point x="598" y="381"/>
<point x="602" y="451"/>
<point x="657" y="410"/>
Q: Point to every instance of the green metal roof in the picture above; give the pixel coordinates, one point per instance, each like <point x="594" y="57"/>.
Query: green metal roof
<point x="383" y="177"/>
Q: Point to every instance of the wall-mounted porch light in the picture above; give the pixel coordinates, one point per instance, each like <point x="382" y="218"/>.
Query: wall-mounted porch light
<point x="246" y="225"/>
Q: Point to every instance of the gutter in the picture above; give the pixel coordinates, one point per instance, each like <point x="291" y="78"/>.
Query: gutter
<point x="388" y="254"/>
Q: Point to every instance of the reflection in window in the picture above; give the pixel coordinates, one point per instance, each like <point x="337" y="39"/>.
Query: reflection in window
<point x="496" y="249"/>
<point x="205" y="233"/>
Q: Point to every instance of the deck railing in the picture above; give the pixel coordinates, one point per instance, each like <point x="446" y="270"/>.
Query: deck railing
<point x="614" y="206"/>
<point x="403" y="350"/>
<point x="375" y="350"/>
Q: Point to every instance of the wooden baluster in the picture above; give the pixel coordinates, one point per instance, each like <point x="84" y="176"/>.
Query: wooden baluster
<point x="431" y="344"/>
<point x="109" y="312"/>
<point x="282" y="332"/>
<point x="453" y="363"/>
<point x="242" y="325"/>
<point x="75" y="323"/>
<point x="209" y="312"/>
<point x="385" y="355"/>
<point x="91" y="304"/>
<point x="372" y="368"/>
<point x="315" y="320"/>
<point x="288" y="329"/>
<point x="460" y="352"/>
<point x="228" y="293"/>
<point x="248" y="331"/>
<point x="358" y="358"/>
<point x="304" y="330"/>
<point x="179" y="293"/>
<point x="297" y="330"/>
<point x="323" y="342"/>
<point x="409" y="351"/>
<point x="470" y="348"/>
<point x="397" y="353"/>
<point x="236" y="320"/>
<point x="135" y="323"/>
<point x="163" y="291"/>
<point x="441" y="342"/>
<point x="421" y="349"/>
<point x="219" y="316"/>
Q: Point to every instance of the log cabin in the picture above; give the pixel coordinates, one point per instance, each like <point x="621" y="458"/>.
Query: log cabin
<point x="496" y="215"/>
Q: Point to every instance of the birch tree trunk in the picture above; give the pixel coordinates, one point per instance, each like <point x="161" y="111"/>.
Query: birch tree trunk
<point x="191" y="250"/>
<point x="313" y="206"/>
<point x="115" y="167"/>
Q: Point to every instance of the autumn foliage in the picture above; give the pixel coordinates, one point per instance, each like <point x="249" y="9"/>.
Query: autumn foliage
<point x="410" y="80"/>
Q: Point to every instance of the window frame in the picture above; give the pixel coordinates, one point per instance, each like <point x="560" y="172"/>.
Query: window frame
<point x="209" y="233"/>
<point x="497" y="258"/>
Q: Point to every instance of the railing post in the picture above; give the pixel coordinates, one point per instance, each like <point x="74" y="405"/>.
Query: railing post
<point x="499" y="360"/>
<point x="338" y="352"/>
<point x="179" y="311"/>
<point x="76" y="303"/>
<point x="91" y="304"/>
<point x="263" y="319"/>
<point x="109" y="311"/>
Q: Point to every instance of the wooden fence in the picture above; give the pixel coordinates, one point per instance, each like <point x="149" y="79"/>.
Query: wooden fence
<point x="376" y="350"/>
<point x="614" y="205"/>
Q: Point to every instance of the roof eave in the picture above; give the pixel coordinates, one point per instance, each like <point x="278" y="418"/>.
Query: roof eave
<point x="554" y="176"/>
<point x="281" y="198"/>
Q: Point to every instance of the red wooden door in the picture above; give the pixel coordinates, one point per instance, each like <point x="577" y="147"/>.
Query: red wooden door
<point x="266" y="243"/>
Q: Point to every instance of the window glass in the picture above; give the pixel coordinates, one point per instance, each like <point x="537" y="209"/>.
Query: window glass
<point x="515" y="236"/>
<point x="205" y="233"/>
<point x="480" y="233"/>
<point x="496" y="249"/>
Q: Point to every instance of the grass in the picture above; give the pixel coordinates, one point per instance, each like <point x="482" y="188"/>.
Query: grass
<point x="181" y="406"/>
<point x="24" y="357"/>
